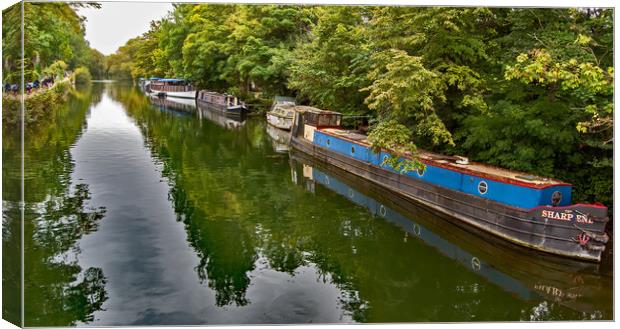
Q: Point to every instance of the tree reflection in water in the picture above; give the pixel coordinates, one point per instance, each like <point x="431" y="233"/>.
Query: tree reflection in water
<point x="58" y="291"/>
<point x="224" y="201"/>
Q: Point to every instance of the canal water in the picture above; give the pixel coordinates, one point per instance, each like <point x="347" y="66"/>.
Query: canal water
<point x="143" y="211"/>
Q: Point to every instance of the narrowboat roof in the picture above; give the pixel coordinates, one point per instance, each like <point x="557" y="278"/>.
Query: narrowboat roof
<point x="171" y="80"/>
<point x="214" y="93"/>
<point x="449" y="162"/>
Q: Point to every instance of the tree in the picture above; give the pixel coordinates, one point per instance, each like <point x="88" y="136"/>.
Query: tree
<point x="52" y="31"/>
<point x="96" y="64"/>
<point x="261" y="43"/>
<point x="330" y="68"/>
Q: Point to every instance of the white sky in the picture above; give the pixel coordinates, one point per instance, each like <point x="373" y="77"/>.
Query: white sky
<point x="116" y="22"/>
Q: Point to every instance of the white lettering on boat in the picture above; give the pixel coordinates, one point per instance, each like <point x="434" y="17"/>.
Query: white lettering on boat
<point x="565" y="216"/>
<point x="556" y="215"/>
<point x="584" y="219"/>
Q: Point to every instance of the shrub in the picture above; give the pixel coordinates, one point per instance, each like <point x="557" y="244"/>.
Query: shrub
<point x="57" y="69"/>
<point x="82" y="75"/>
<point x="38" y="106"/>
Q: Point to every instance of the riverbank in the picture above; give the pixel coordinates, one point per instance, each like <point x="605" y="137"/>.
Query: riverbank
<point x="38" y="105"/>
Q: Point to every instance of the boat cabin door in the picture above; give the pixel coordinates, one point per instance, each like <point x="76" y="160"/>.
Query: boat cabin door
<point x="298" y="125"/>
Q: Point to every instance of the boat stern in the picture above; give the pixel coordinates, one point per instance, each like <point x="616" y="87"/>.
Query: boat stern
<point x="578" y="230"/>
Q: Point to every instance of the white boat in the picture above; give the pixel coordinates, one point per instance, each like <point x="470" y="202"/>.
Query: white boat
<point x="178" y="88"/>
<point x="182" y="94"/>
<point x="282" y="112"/>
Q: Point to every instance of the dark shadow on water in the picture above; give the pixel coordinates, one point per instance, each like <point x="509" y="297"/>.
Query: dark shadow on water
<point x="57" y="215"/>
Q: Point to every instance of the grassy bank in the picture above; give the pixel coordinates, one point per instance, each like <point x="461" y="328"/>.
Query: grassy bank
<point x="39" y="105"/>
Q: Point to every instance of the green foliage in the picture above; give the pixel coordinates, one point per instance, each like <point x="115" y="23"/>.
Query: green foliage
<point x="56" y="70"/>
<point x="450" y="49"/>
<point x="38" y="106"/>
<point x="222" y="47"/>
<point x="120" y="65"/>
<point x="584" y="84"/>
<point x="515" y="136"/>
<point x="82" y="75"/>
<point x="330" y="68"/>
<point x="395" y="138"/>
<point x="96" y="64"/>
<point x="402" y="88"/>
<point x="52" y="32"/>
<point x="204" y="50"/>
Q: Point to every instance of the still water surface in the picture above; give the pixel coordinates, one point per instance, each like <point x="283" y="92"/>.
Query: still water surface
<point x="147" y="211"/>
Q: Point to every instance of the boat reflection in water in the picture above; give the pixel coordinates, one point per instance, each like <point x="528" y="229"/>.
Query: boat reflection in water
<point x="232" y="122"/>
<point x="279" y="138"/>
<point x="531" y="276"/>
<point x="174" y="104"/>
<point x="190" y="106"/>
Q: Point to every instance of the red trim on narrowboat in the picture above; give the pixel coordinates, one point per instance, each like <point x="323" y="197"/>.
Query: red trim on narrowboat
<point x="494" y="177"/>
<point x="591" y="205"/>
<point x="461" y="170"/>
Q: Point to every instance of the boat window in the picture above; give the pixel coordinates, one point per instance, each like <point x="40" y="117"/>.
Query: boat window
<point x="324" y="120"/>
<point x="482" y="187"/>
<point x="421" y="171"/>
<point x="352" y="149"/>
<point x="556" y="198"/>
<point x="310" y="118"/>
<point x="328" y="142"/>
<point x="336" y="120"/>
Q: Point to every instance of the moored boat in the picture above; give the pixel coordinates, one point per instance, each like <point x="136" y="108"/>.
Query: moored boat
<point x="225" y="103"/>
<point x="171" y="88"/>
<point x="145" y="84"/>
<point x="281" y="113"/>
<point x="531" y="211"/>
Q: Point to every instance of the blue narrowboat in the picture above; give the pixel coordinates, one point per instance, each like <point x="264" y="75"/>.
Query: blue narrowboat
<point x="528" y="210"/>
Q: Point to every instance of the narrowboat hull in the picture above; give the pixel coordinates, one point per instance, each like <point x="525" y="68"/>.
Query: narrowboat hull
<point x="235" y="110"/>
<point x="279" y="121"/>
<point x="178" y="94"/>
<point x="575" y="231"/>
<point x="181" y="94"/>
